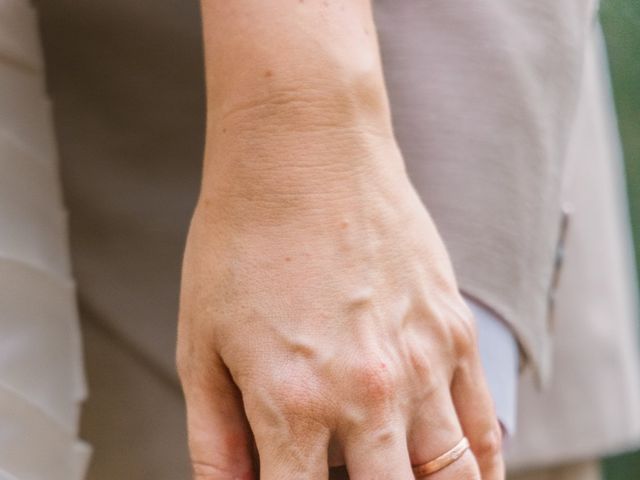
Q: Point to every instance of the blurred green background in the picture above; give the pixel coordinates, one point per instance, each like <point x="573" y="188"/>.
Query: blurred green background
<point x="621" y="24"/>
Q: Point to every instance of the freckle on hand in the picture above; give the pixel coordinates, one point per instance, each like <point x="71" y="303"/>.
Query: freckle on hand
<point x="268" y="73"/>
<point x="288" y="259"/>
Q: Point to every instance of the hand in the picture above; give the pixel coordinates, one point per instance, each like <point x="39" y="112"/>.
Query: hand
<point x="328" y="328"/>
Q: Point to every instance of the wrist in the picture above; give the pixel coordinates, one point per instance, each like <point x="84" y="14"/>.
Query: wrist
<point x="300" y="146"/>
<point x="307" y="195"/>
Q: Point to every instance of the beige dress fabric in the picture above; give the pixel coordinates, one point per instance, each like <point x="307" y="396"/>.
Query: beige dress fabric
<point x="484" y="94"/>
<point x="41" y="377"/>
<point x="591" y="407"/>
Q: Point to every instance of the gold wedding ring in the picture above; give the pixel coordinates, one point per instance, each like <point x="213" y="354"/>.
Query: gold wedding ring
<point x="444" y="460"/>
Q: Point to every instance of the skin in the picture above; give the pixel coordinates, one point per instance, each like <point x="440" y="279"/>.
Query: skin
<point x="320" y="320"/>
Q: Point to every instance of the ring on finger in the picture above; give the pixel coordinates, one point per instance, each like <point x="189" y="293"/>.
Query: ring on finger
<point x="444" y="460"/>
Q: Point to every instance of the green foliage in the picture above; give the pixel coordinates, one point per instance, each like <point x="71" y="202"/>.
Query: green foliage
<point x="621" y="24"/>
<point x="623" y="467"/>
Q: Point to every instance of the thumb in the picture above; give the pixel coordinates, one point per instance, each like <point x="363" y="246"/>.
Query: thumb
<point x="219" y="435"/>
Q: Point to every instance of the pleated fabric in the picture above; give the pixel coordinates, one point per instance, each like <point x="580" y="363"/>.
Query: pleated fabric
<point x="42" y="382"/>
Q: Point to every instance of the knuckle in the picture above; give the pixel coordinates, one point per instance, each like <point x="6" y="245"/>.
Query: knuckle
<point x="374" y="381"/>
<point x="488" y="445"/>
<point x="293" y="411"/>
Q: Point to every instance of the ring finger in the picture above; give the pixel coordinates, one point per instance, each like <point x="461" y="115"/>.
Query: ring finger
<point x="435" y="433"/>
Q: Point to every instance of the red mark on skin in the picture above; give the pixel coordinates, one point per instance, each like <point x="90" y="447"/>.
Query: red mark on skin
<point x="383" y="365"/>
<point x="288" y="259"/>
<point x="268" y="74"/>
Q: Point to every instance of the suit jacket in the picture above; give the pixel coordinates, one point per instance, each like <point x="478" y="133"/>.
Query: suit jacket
<point x="486" y="96"/>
